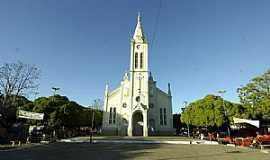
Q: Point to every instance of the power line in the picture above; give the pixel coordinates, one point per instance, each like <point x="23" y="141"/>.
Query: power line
<point x="156" y="25"/>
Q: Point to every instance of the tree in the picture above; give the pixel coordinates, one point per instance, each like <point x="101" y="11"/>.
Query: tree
<point x="60" y="112"/>
<point x="210" y="112"/>
<point x="255" y="96"/>
<point x="16" y="79"/>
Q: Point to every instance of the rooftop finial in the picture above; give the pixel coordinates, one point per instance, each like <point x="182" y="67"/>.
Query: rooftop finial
<point x="106" y="88"/>
<point x="151" y="77"/>
<point x="169" y="89"/>
<point x="139" y="17"/>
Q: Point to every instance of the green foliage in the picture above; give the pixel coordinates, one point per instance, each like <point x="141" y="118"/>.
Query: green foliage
<point x="59" y="111"/>
<point x="255" y="96"/>
<point x="209" y="112"/>
<point x="8" y="112"/>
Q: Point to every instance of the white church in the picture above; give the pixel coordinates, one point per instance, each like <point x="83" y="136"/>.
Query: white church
<point x="137" y="107"/>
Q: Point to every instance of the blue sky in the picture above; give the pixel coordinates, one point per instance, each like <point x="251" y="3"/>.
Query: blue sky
<point x="200" y="47"/>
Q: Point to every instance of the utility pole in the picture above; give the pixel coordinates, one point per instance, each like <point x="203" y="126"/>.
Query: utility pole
<point x="92" y="126"/>
<point x="55" y="89"/>
<point x="222" y="92"/>
<point x="93" y="119"/>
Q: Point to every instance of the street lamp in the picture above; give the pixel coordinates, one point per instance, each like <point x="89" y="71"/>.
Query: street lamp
<point x="222" y="92"/>
<point x="55" y="89"/>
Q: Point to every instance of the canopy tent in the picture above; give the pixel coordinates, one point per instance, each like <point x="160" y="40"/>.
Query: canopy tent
<point x="255" y="123"/>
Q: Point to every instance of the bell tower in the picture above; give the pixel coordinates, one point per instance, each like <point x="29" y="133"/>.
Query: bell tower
<point x="139" y="74"/>
<point x="139" y="49"/>
<point x="139" y="65"/>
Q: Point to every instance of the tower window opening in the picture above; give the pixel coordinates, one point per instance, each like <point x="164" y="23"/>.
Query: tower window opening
<point x="136" y="60"/>
<point x="110" y="117"/>
<point x="141" y="62"/>
<point x="114" y="115"/>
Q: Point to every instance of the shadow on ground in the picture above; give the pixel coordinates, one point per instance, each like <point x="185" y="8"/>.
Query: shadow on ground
<point x="79" y="151"/>
<point x="138" y="151"/>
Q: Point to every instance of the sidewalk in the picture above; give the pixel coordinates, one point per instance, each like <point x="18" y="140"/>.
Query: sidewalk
<point x="141" y="140"/>
<point x="9" y="147"/>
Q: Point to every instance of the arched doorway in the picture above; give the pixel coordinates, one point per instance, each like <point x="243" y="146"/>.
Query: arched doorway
<point x="137" y="124"/>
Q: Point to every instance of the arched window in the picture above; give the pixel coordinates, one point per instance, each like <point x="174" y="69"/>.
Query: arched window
<point x="114" y="115"/>
<point x="110" y="117"/>
<point x="136" y="60"/>
<point x="141" y="62"/>
<point x="165" y="117"/>
<point x="161" y="116"/>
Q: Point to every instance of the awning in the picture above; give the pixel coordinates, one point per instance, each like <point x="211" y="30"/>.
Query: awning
<point x="255" y="123"/>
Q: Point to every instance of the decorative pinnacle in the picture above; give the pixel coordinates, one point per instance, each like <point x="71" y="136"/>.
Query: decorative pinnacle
<point x="169" y="89"/>
<point x="139" y="17"/>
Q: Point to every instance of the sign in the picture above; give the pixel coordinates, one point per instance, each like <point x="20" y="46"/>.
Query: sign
<point x="255" y="123"/>
<point x="30" y="115"/>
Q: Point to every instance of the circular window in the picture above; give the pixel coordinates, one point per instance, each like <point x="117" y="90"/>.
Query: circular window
<point x="124" y="105"/>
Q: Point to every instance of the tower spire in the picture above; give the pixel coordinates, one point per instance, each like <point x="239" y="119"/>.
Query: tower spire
<point x="138" y="34"/>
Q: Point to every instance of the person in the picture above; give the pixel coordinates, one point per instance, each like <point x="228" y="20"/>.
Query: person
<point x="218" y="136"/>
<point x="54" y="134"/>
<point x="91" y="135"/>
<point x="43" y="136"/>
<point x="202" y="136"/>
<point x="258" y="135"/>
<point x="210" y="136"/>
<point x="28" y="140"/>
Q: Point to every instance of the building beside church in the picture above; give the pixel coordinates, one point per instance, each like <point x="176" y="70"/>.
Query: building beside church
<point x="138" y="107"/>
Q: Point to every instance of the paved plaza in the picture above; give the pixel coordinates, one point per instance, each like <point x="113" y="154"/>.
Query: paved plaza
<point x="118" y="151"/>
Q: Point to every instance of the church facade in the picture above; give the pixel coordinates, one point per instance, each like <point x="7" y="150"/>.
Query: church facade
<point x="137" y="107"/>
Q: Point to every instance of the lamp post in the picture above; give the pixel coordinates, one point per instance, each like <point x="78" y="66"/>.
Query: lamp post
<point x="222" y="92"/>
<point x="95" y="105"/>
<point x="92" y="126"/>
<point x="55" y="89"/>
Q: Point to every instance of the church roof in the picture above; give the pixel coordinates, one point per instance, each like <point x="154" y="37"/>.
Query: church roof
<point x="138" y="34"/>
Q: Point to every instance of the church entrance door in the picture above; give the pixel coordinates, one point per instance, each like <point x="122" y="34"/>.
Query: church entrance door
<point x="137" y="123"/>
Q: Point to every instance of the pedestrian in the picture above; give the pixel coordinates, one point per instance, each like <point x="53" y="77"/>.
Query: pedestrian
<point x="202" y="136"/>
